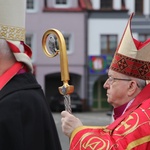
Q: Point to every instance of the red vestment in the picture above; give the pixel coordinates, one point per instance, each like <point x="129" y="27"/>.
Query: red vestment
<point x="129" y="131"/>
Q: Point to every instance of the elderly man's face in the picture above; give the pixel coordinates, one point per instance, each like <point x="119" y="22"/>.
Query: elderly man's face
<point x="117" y="86"/>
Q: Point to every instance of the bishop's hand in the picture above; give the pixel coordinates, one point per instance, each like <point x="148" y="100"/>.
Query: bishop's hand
<point x="69" y="123"/>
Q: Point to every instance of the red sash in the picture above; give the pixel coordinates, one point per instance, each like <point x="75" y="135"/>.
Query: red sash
<point x="10" y="73"/>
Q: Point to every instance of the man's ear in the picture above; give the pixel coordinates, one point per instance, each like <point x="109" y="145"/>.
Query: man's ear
<point x="132" y="88"/>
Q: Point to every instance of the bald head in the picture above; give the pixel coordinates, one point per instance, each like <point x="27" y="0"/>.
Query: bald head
<point x="7" y="58"/>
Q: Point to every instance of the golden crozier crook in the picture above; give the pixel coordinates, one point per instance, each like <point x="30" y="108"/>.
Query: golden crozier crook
<point x="52" y="51"/>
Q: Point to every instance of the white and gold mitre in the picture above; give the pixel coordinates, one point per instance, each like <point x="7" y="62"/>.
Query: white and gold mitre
<point x="12" y="29"/>
<point x="132" y="57"/>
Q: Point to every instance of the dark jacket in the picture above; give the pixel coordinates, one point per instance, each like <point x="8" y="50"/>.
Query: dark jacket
<point x="26" y="122"/>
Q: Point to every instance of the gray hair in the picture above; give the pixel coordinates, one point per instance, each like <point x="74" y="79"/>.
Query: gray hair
<point x="140" y="82"/>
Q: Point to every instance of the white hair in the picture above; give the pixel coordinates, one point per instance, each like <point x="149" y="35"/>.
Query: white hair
<point x="140" y="82"/>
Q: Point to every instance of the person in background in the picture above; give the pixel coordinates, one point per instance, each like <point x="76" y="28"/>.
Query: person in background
<point x="26" y="122"/>
<point x="128" y="93"/>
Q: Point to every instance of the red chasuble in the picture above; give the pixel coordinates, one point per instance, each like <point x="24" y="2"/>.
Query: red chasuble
<point x="129" y="131"/>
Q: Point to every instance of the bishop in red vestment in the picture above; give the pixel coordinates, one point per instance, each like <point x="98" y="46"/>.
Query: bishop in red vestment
<point x="128" y="92"/>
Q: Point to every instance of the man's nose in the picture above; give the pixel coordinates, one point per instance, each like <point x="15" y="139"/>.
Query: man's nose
<point x="106" y="85"/>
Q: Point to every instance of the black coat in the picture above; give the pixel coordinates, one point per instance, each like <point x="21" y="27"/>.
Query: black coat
<point x="26" y="122"/>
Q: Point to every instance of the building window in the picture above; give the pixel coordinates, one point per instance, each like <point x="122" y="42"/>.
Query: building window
<point x="29" y="42"/>
<point x="68" y="42"/>
<point x="31" y="6"/>
<point x="108" y="44"/>
<point x="139" y="7"/>
<point x="143" y="37"/>
<point x="123" y="5"/>
<point x="61" y="3"/>
<point x="106" y="4"/>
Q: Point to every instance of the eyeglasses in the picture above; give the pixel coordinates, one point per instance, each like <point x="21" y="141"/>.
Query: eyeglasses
<point x="111" y="79"/>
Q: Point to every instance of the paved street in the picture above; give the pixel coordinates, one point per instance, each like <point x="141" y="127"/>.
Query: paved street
<point x="88" y="118"/>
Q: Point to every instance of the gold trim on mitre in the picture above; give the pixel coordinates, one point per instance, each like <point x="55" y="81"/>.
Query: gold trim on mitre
<point x="12" y="20"/>
<point x="128" y="59"/>
<point x="12" y="33"/>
